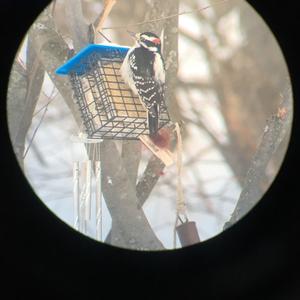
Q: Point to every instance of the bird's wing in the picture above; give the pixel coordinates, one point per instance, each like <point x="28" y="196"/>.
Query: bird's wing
<point x="150" y="91"/>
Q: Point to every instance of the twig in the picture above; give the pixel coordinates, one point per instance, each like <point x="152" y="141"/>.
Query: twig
<point x="53" y="8"/>
<point x="40" y="122"/>
<point x="46" y="105"/>
<point x="21" y="63"/>
<point x="165" y="18"/>
<point x="108" y="5"/>
<point x="105" y="37"/>
<point x="35" y="131"/>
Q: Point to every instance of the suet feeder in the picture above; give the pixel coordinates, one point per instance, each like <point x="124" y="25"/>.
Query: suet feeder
<point x="107" y="105"/>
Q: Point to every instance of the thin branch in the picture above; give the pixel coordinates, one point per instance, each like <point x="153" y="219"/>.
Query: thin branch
<point x="40" y="157"/>
<point x="98" y="24"/>
<point x="46" y="105"/>
<point x="40" y="123"/>
<point x="53" y="8"/>
<point x="106" y="38"/>
<point x="165" y="18"/>
<point x="35" y="132"/>
<point x="23" y="94"/>
<point x="21" y="63"/>
<point x="195" y="84"/>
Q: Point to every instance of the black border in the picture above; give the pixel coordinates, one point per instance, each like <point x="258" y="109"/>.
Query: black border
<point x="40" y="255"/>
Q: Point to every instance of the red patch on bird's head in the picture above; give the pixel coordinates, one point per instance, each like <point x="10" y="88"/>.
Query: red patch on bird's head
<point x="156" y="41"/>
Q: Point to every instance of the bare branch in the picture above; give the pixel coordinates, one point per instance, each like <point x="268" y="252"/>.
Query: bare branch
<point x="149" y="179"/>
<point x="35" y="131"/>
<point x="52" y="98"/>
<point x="132" y="225"/>
<point x="77" y="26"/>
<point x="98" y="24"/>
<point x="15" y="97"/>
<point x="170" y="52"/>
<point x="275" y="131"/>
<point x="23" y="94"/>
<point x="195" y="85"/>
<point x="170" y="16"/>
<point x="45" y="108"/>
<point x="131" y="156"/>
<point x="53" y="51"/>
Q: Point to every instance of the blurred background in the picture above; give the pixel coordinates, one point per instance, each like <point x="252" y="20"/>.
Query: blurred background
<point x="227" y="81"/>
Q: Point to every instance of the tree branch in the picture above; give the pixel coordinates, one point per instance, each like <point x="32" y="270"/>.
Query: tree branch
<point x="78" y="28"/>
<point x="23" y="94"/>
<point x="149" y="179"/>
<point x="131" y="156"/>
<point x="132" y="225"/>
<point x="52" y="52"/>
<point x="275" y="131"/>
<point x="16" y="94"/>
<point x="98" y="24"/>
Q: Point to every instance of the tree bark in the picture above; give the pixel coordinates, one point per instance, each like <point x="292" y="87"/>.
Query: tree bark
<point x="132" y="228"/>
<point x="276" y="129"/>
<point x="170" y="53"/>
<point x="23" y="93"/>
<point x="53" y="51"/>
<point x="78" y="28"/>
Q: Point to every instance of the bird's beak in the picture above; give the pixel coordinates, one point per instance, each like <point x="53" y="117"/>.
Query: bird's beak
<point x="133" y="34"/>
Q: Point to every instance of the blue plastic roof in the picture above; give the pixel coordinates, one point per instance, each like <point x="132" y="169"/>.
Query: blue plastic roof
<point x="103" y="50"/>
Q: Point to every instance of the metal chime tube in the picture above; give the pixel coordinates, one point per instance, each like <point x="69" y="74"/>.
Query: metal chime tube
<point x="84" y="175"/>
<point x="82" y="201"/>
<point x="98" y="201"/>
<point x="76" y="194"/>
<point x="88" y="187"/>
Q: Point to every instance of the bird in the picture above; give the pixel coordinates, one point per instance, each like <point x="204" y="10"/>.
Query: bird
<point x="143" y="69"/>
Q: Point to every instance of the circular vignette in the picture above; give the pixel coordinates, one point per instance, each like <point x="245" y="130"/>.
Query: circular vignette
<point x="232" y="92"/>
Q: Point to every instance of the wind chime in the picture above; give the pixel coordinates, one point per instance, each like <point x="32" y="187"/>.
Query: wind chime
<point x="110" y="110"/>
<point x="85" y="173"/>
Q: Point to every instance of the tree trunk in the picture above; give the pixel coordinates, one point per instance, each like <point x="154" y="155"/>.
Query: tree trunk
<point x="23" y="93"/>
<point x="276" y="130"/>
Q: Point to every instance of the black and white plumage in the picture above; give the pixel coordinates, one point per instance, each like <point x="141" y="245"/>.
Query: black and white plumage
<point x="143" y="70"/>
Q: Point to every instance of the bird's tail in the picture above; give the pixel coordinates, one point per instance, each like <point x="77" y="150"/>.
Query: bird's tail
<point x="153" y="118"/>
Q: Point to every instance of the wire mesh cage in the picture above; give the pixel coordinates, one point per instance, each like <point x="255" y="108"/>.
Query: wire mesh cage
<point x="108" y="107"/>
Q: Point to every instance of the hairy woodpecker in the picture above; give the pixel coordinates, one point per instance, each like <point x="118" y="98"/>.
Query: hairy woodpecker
<point x="143" y="70"/>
